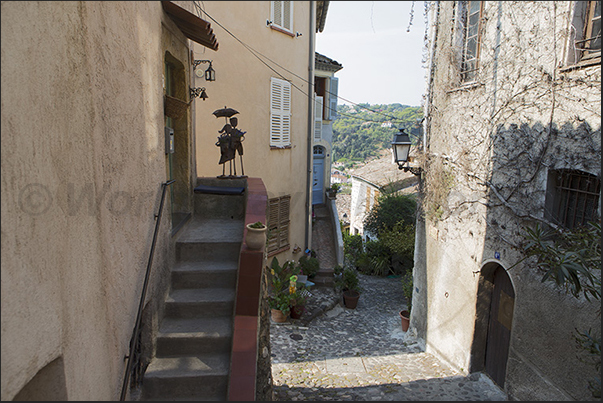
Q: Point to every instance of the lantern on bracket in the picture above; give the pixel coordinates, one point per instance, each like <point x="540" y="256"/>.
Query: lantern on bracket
<point x="401" y="148"/>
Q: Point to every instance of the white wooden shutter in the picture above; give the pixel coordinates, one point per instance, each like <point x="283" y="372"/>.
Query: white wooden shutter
<point x="288" y="15"/>
<point x="333" y="98"/>
<point x="280" y="113"/>
<point x="276" y="13"/>
<point x="318" y="118"/>
<point x="281" y="14"/>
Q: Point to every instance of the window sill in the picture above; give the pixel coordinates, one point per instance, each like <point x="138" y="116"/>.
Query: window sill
<point x="282" y="30"/>
<point x="280" y="148"/>
<point x="276" y="252"/>
<point x="595" y="61"/>
<point x="466" y="87"/>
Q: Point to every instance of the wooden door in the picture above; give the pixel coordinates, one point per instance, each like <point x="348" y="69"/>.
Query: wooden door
<point x="499" y="326"/>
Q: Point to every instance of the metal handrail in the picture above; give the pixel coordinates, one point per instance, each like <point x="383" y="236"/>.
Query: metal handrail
<point x="135" y="333"/>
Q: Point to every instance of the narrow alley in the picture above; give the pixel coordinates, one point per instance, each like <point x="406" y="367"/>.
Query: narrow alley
<point x="362" y="354"/>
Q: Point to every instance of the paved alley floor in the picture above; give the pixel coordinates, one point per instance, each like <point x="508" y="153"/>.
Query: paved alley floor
<point x="362" y="354"/>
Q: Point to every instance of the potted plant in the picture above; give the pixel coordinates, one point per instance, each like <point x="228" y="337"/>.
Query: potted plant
<point x="280" y="280"/>
<point x="309" y="266"/>
<point x="256" y="235"/>
<point x="349" y="285"/>
<point x="298" y="300"/>
<point x="332" y="191"/>
<point x="279" y="307"/>
<point x="407" y="291"/>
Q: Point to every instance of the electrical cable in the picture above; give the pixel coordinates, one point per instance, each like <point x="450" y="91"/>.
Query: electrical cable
<point x="256" y="53"/>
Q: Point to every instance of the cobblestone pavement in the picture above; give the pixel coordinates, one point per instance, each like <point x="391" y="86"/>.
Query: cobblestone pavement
<point x="362" y="354"/>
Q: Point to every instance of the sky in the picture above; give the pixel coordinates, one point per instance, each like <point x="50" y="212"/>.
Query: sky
<point x="382" y="62"/>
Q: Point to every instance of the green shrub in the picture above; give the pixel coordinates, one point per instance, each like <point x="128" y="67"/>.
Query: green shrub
<point x="349" y="280"/>
<point x="390" y="210"/>
<point x="309" y="266"/>
<point x="400" y="241"/>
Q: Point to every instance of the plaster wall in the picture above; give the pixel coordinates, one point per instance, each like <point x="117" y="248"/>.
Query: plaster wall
<point x="82" y="164"/>
<point x="493" y="138"/>
<point x="243" y="83"/>
<point x="358" y="206"/>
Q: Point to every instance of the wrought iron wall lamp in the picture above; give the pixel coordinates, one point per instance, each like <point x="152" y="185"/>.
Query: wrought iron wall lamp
<point x="198" y="92"/>
<point x="210" y="73"/>
<point x="401" y="148"/>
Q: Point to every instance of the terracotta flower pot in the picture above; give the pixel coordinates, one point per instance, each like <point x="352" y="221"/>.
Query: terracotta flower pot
<point x="255" y="238"/>
<point x="350" y="299"/>
<point x="297" y="311"/>
<point x="277" y="315"/>
<point x="405" y="316"/>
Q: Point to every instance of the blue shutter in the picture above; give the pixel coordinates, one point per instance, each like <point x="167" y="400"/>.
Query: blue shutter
<point x="333" y="98"/>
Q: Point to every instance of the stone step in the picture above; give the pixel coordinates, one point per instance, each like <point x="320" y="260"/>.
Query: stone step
<point x="210" y="240"/>
<point x="210" y="205"/>
<point x="198" y="377"/>
<point x="191" y="336"/>
<point x="205" y="274"/>
<point x="200" y="302"/>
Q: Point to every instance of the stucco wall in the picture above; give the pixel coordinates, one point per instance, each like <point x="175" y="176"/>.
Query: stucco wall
<point x="82" y="163"/>
<point x="243" y="83"/>
<point x="363" y="193"/>
<point x="492" y="139"/>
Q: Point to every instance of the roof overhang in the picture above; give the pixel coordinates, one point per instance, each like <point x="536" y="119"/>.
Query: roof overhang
<point x="321" y="15"/>
<point x="193" y="27"/>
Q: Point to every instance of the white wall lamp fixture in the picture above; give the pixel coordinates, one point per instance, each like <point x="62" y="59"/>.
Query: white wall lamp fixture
<point x="401" y="148"/>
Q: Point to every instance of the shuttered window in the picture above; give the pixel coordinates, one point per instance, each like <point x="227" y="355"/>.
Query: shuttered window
<point x="333" y="98"/>
<point x="281" y="15"/>
<point x="280" y="113"/>
<point x="317" y="118"/>
<point x="278" y="223"/>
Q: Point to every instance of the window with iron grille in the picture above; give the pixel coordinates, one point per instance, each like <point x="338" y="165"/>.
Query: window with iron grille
<point x="585" y="41"/>
<point x="470" y="14"/>
<point x="278" y="224"/>
<point x="573" y="198"/>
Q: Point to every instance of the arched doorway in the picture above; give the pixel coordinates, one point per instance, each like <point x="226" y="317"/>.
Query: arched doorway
<point x="494" y="321"/>
<point x="318" y="174"/>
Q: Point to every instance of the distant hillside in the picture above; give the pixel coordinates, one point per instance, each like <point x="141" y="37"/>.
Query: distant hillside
<point x="359" y="134"/>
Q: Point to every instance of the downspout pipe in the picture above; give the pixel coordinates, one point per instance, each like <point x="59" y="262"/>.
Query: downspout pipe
<point x="311" y="57"/>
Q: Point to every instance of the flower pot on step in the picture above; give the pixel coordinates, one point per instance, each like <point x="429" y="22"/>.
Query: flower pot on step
<point x="405" y="317"/>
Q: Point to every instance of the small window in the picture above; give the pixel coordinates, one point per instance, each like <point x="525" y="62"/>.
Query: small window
<point x="585" y="32"/>
<point x="281" y="15"/>
<point x="470" y="13"/>
<point x="573" y="198"/>
<point x="280" y="113"/>
<point x="278" y="224"/>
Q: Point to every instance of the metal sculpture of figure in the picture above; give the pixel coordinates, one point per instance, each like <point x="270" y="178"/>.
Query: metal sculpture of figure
<point x="230" y="142"/>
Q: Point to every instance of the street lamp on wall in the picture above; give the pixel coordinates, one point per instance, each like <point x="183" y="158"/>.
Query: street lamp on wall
<point x="401" y="148"/>
<point x="210" y="73"/>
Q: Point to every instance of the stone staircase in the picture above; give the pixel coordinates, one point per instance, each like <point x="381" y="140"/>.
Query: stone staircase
<point x="323" y="245"/>
<point x="193" y="349"/>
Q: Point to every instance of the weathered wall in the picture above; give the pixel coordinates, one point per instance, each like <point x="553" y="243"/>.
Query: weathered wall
<point x="82" y="163"/>
<point x="243" y="83"/>
<point x="490" y="146"/>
